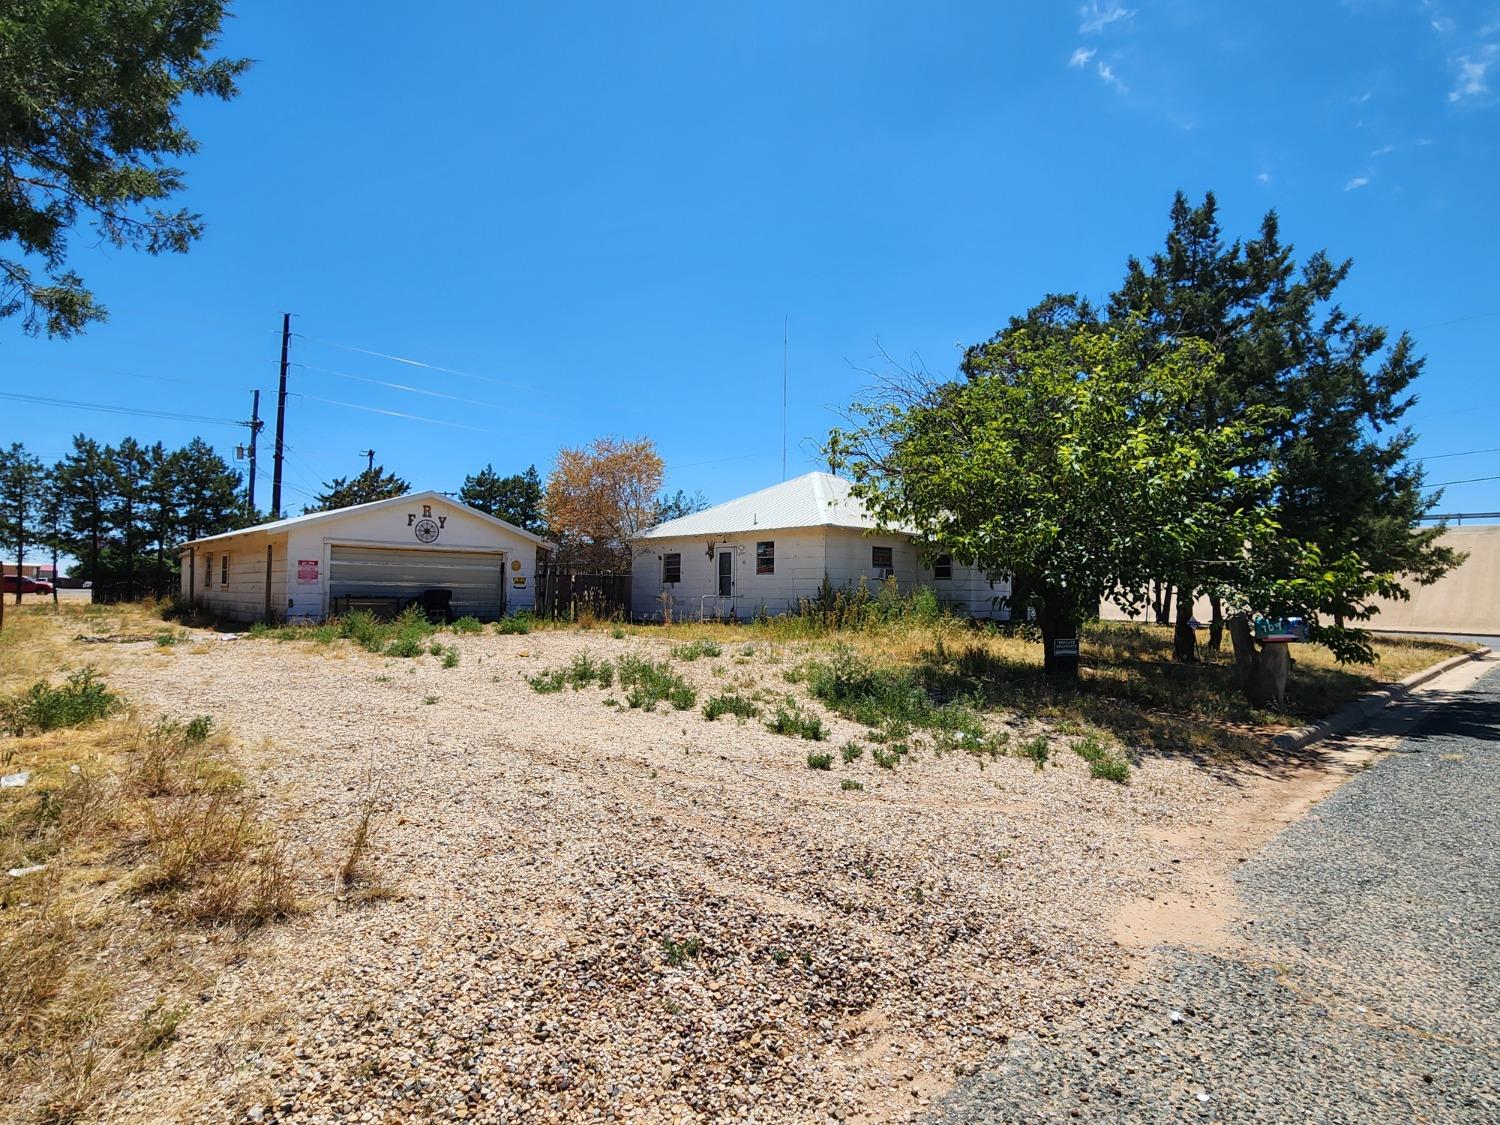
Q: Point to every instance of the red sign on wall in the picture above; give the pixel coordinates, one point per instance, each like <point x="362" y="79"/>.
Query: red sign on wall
<point x="307" y="570"/>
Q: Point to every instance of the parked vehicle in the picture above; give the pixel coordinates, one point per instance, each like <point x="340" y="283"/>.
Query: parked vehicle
<point x="28" y="585"/>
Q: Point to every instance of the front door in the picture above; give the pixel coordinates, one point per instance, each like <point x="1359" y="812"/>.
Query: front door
<point x="726" y="574"/>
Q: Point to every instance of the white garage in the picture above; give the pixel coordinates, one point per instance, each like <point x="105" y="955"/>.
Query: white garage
<point x="422" y="549"/>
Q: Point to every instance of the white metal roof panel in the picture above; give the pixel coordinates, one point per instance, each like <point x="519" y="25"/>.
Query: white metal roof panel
<point x="811" y="500"/>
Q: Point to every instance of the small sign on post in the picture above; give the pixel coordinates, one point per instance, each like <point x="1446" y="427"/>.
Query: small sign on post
<point x="1065" y="646"/>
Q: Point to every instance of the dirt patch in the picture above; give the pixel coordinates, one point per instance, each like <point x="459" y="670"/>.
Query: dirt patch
<point x="602" y="912"/>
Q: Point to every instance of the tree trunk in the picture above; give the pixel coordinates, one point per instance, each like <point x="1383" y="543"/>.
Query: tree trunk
<point x="1215" y="624"/>
<point x="1262" y="668"/>
<point x="1184" y="639"/>
<point x="1059" y="660"/>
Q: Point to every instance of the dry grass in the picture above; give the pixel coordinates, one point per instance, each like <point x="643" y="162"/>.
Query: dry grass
<point x="359" y="879"/>
<point x="1130" y="687"/>
<point x="141" y="832"/>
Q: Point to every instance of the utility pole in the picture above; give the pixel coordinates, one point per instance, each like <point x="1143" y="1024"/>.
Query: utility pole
<point x="785" y="320"/>
<point x="255" y="428"/>
<point x="286" y="339"/>
<point x="369" y="456"/>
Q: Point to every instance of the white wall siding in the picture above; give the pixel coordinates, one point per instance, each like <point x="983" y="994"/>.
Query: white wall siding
<point x="243" y="597"/>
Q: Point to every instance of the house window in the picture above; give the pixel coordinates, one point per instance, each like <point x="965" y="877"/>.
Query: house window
<point x="223" y="570"/>
<point x="208" y="573"/>
<point x="880" y="558"/>
<point x="765" y="557"/>
<point x="671" y="568"/>
<point x="942" y="566"/>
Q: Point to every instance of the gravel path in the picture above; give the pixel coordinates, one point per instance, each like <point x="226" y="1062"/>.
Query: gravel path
<point x="1365" y="984"/>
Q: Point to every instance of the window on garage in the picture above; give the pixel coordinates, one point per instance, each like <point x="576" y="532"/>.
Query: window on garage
<point x="224" y="570"/>
<point x="880" y="558"/>
<point x="765" y="557"/>
<point x="208" y="572"/>
<point x="671" y="567"/>
<point x="942" y="566"/>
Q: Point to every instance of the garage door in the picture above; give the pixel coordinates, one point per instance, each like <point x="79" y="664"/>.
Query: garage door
<point x="474" y="577"/>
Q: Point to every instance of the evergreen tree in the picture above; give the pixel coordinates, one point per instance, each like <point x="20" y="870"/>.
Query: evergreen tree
<point x="371" y="485"/>
<point x="129" y="510"/>
<point x="23" y="481"/>
<point x="206" y="492"/>
<point x="516" y="499"/>
<point x="84" y="486"/>
<point x="91" y="91"/>
<point x="671" y="506"/>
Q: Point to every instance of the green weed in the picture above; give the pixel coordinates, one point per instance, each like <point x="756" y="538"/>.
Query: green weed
<point x="43" y="706"/>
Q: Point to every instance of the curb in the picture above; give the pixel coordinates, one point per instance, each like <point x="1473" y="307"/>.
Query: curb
<point x="1368" y="705"/>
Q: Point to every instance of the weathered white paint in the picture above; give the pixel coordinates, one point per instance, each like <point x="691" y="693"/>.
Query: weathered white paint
<point x="804" y="557"/>
<point x="301" y="593"/>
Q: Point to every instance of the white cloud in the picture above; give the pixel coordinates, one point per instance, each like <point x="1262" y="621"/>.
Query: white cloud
<point x="1471" y="74"/>
<point x="1443" y="25"/>
<point x="1097" y="17"/>
<point x="1081" y="57"/>
<point x="1384" y="150"/>
<point x="1107" y="73"/>
<point x="1356" y="182"/>
<point x="1263" y="178"/>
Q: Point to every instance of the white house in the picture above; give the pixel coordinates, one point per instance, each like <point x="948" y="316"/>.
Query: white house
<point x="765" y="551"/>
<point x="377" y="556"/>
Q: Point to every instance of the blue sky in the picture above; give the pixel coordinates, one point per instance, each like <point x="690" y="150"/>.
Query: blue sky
<point x="601" y="213"/>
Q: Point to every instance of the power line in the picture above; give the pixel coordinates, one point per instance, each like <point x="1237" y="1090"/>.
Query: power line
<point x="401" y="414"/>
<point x="419" y="363"/>
<point x="105" y="409"/>
<point x="1470" y="480"/>
<point x="1465" y="453"/>
<point x="508" y="409"/>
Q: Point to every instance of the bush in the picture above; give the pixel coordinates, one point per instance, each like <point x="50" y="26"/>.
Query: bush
<point x="550" y="681"/>
<point x="1103" y="763"/>
<point x="819" y="760"/>
<point x="1036" y="749"/>
<point x="649" y="683"/>
<point x="694" y="649"/>
<point x="791" y="720"/>
<point x="851" y="751"/>
<point x="516" y="623"/>
<point x="586" y="670"/>
<point x="466" y="625"/>
<point x="730" y="703"/>
<point x="450" y="657"/>
<point x="43" y="706"/>
<point x="886" y="759"/>
<point x="850" y="784"/>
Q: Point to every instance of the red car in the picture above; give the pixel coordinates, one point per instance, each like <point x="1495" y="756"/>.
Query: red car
<point x="28" y="585"/>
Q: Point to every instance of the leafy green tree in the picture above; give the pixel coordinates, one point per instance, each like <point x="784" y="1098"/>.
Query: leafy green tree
<point x="23" y="483"/>
<point x="1058" y="461"/>
<point x="128" y="513"/>
<point x="371" y="485"/>
<point x="516" y="499"/>
<point x="91" y="91"/>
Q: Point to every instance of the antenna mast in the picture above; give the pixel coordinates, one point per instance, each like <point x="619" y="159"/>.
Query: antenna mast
<point x="783" y="395"/>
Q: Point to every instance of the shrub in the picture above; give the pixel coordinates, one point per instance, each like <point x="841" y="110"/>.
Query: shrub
<point x="851" y="751"/>
<point x="694" y="649"/>
<point x="585" y="670"/>
<point x="550" y="681"/>
<point x="406" y="647"/>
<point x="886" y="759"/>
<point x="1103" y="762"/>
<point x="649" y="683"/>
<point x="197" y="730"/>
<point x="730" y="703"/>
<point x="1036" y="749"/>
<point x="793" y="721"/>
<point x="680" y="952"/>
<point x="435" y="649"/>
<point x="465" y="625"/>
<point x="450" y="657"/>
<point x="850" y="785"/>
<point x="43" y="706"/>
<point x="516" y="623"/>
<point x="819" y="760"/>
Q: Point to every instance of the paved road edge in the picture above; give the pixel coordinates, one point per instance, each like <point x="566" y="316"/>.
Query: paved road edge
<point x="1369" y="705"/>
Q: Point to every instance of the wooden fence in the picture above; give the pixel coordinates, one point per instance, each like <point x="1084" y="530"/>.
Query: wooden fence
<point x="566" y="594"/>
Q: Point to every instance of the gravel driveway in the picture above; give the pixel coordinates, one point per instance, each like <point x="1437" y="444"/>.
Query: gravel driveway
<point x="1365" y="981"/>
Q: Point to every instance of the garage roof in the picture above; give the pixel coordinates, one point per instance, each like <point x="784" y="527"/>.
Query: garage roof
<point x="811" y="500"/>
<point x="276" y="526"/>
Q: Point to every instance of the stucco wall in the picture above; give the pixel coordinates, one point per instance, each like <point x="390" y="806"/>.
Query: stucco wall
<point x="1465" y="600"/>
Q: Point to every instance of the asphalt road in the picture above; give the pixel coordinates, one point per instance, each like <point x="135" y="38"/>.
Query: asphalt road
<point x="1369" y="990"/>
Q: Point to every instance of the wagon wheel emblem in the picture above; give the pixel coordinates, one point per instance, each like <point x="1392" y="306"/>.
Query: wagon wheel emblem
<point x="427" y="530"/>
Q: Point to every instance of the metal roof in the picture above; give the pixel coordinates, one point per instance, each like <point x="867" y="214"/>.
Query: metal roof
<point x="275" y="527"/>
<point x="812" y="500"/>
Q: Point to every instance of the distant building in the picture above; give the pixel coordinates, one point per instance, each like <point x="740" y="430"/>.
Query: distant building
<point x="30" y="570"/>
<point x="765" y="552"/>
